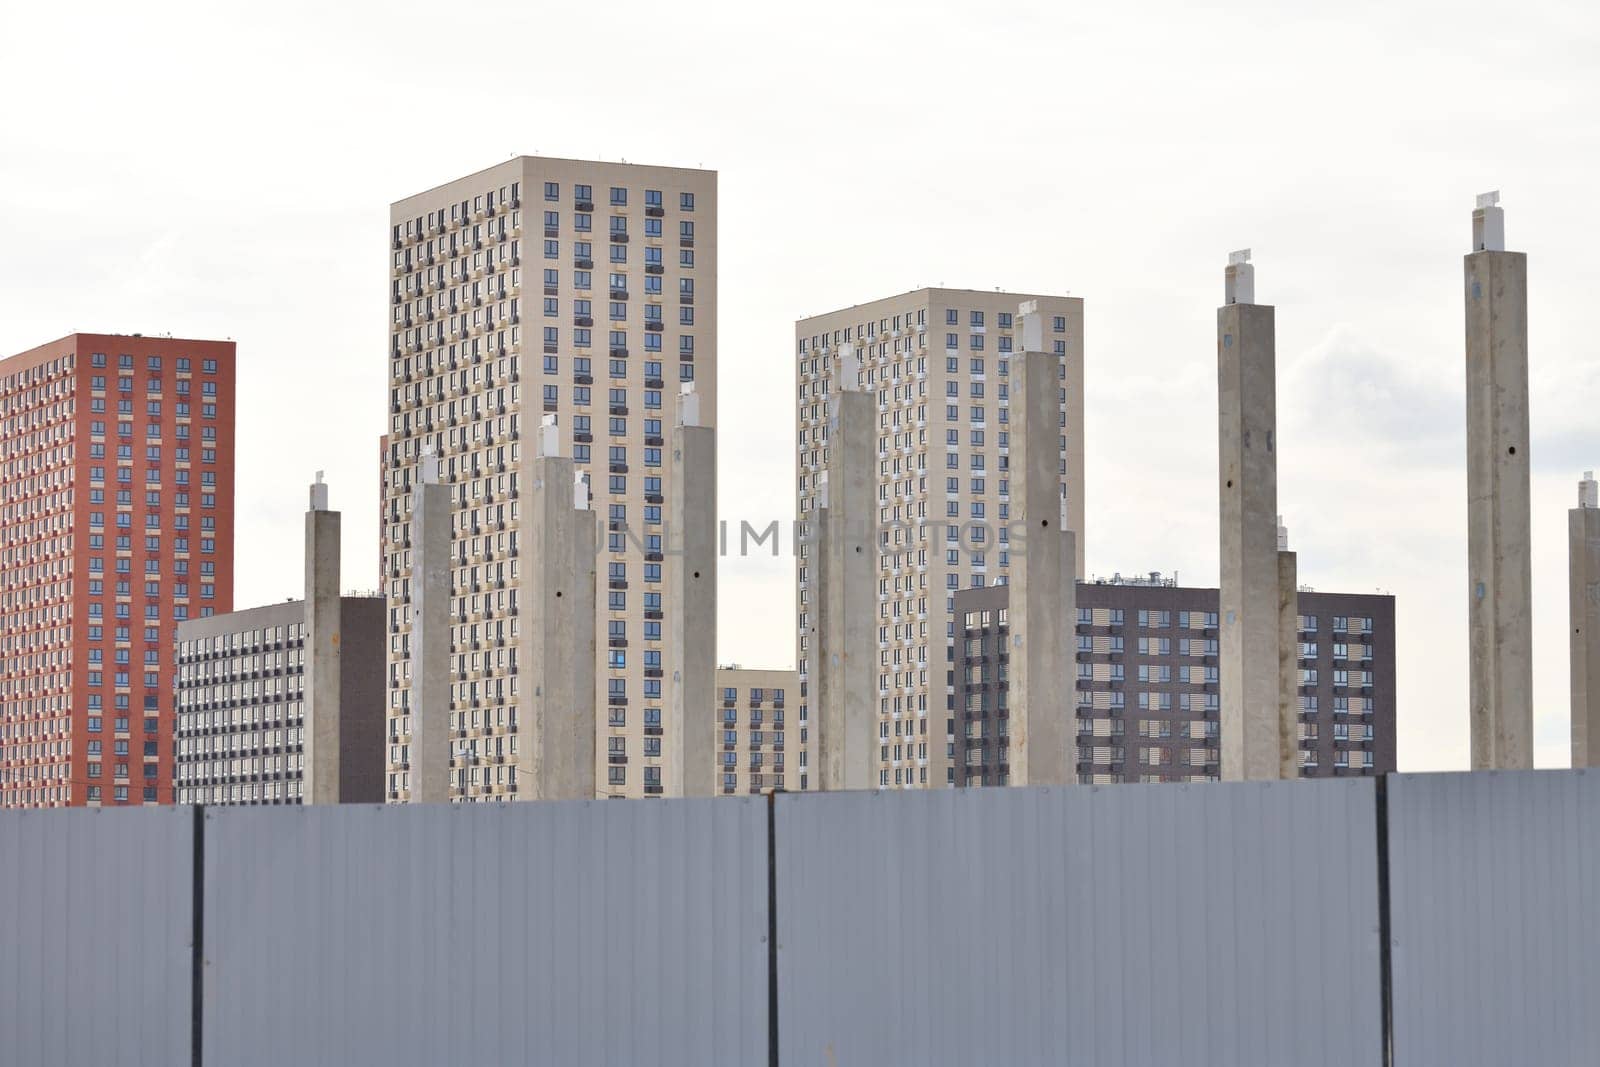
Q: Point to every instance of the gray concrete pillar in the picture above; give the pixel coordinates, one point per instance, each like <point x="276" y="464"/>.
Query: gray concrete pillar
<point x="429" y="659"/>
<point x="556" y="739"/>
<point x="1248" y="485"/>
<point x="1500" y="566"/>
<point x="321" y="714"/>
<point x="1042" y="606"/>
<point x="1288" y="659"/>
<point x="692" y="727"/>
<point x="847" y="571"/>
<point x="1583" y="555"/>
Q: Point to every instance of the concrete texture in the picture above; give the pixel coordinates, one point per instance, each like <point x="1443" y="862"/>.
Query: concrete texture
<point x="1043" y="610"/>
<point x="430" y="636"/>
<point x="1500" y="566"/>
<point x="847" y="563"/>
<point x="691" y="607"/>
<point x="323" y="719"/>
<point x="556" y="736"/>
<point x="1249" y="665"/>
<point x="1583" y="554"/>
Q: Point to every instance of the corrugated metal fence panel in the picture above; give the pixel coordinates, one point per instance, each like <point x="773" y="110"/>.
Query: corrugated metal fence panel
<point x="1495" y="917"/>
<point x="1197" y="924"/>
<point x="573" y="933"/>
<point x="96" y="921"/>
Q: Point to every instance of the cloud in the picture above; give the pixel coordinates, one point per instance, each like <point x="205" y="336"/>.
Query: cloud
<point x="1346" y="392"/>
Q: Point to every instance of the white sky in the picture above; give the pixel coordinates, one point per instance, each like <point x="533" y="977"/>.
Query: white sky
<point x="219" y="170"/>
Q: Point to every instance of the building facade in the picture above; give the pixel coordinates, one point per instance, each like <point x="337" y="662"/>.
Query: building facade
<point x="759" y="735"/>
<point x="938" y="361"/>
<point x="585" y="290"/>
<point x="1148" y="704"/>
<point x="240" y="690"/>
<point x="117" y="517"/>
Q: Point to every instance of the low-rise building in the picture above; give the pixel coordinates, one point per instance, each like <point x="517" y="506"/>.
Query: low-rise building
<point x="1147" y="688"/>
<point x="241" y="688"/>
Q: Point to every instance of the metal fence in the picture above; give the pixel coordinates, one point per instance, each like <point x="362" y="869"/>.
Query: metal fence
<point x="1495" y="886"/>
<point x="1225" y="924"/>
<point x="96" y="930"/>
<point x="1233" y="924"/>
<point x="585" y="932"/>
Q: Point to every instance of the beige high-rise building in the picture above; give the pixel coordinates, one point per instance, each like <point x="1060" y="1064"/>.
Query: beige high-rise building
<point x="938" y="361"/>
<point x="759" y="735"/>
<point x="580" y="289"/>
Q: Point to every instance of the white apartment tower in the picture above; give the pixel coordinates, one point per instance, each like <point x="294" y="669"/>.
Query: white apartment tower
<point x="583" y="290"/>
<point x="938" y="362"/>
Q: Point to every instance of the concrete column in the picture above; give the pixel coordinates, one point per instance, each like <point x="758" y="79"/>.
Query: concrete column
<point x="1288" y="659"/>
<point x="1248" y="453"/>
<point x="1583" y="554"/>
<point x="321" y="716"/>
<point x="556" y="741"/>
<point x="1500" y="567"/>
<point x="1042" y="606"/>
<point x="691" y="609"/>
<point x="431" y="569"/>
<point x="847" y="572"/>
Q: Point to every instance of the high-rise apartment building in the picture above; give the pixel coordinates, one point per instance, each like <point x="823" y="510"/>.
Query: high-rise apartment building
<point x="116" y="462"/>
<point x="938" y="362"/>
<point x="540" y="286"/>
<point x="1148" y="689"/>
<point x="760" y="747"/>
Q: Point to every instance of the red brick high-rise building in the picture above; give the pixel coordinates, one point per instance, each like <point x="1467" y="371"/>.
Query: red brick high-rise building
<point x="116" y="522"/>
